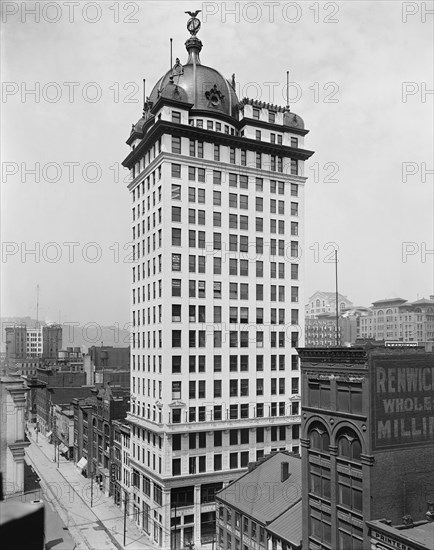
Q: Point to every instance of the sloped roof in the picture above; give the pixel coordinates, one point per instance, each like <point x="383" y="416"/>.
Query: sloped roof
<point x="389" y="301"/>
<point x="423" y="301"/>
<point x="260" y="493"/>
<point x="288" y="526"/>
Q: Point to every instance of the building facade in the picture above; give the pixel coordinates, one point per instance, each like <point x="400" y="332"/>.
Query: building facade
<point x="217" y="205"/>
<point x="94" y="432"/>
<point x="23" y="342"/>
<point x="368" y="441"/>
<point x="325" y="303"/>
<point x="13" y="440"/>
<point x="396" y="319"/>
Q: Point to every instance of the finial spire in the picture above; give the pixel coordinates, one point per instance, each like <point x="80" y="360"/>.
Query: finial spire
<point x="193" y="44"/>
<point x="193" y="24"/>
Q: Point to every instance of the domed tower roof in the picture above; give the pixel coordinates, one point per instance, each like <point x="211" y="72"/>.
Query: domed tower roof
<point x="203" y="87"/>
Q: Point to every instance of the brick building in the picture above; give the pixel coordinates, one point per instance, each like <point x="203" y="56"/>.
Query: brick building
<point x="418" y="535"/>
<point x="94" y="432"/>
<point x="368" y="438"/>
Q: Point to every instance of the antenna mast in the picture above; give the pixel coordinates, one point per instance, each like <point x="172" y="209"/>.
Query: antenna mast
<point x="37" y="306"/>
<point x="171" y="60"/>
<point x="337" y="299"/>
<point x="287" y="90"/>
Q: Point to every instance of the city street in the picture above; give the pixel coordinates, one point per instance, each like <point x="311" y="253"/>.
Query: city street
<point x="68" y="493"/>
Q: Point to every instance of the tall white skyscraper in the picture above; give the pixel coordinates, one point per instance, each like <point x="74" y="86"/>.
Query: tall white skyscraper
<point x="217" y="222"/>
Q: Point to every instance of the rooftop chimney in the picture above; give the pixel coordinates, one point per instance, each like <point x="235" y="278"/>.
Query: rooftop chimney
<point x="430" y="512"/>
<point x="284" y="471"/>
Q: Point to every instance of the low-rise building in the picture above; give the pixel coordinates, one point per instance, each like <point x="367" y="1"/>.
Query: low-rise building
<point x="418" y="535"/>
<point x="261" y="509"/>
<point x="94" y="432"/>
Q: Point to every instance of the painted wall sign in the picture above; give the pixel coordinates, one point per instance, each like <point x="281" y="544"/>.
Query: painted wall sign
<point x="402" y="397"/>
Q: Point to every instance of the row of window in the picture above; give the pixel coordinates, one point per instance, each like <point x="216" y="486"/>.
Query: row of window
<point x="198" y="217"/>
<point x="197" y="339"/>
<point x="244" y="436"/>
<point x="236" y="362"/>
<point x="237" y="388"/>
<point x="234" y="412"/>
<point x="236" y="315"/>
<point x="196" y="264"/>
<point x="237" y="291"/>
<point x="198" y="195"/>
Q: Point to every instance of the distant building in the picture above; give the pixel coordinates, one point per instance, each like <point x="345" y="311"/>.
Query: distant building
<point x="13" y="440"/>
<point x="396" y="319"/>
<point x="51" y="341"/>
<point x="367" y="438"/>
<point x="16" y="343"/>
<point x="52" y="386"/>
<point x="24" y="343"/>
<point x="34" y="342"/>
<point x="261" y="509"/>
<point x="321" y="330"/>
<point x="109" y="357"/>
<point x="325" y="302"/>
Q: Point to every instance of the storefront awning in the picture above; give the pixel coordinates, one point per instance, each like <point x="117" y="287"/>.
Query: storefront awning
<point x="63" y="448"/>
<point x="82" y="463"/>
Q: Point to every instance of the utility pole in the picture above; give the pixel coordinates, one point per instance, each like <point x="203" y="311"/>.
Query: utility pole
<point x="54" y="434"/>
<point x="125" y="517"/>
<point x="337" y="300"/>
<point x="37" y="306"/>
<point x="91" y="482"/>
<point x="175" y="530"/>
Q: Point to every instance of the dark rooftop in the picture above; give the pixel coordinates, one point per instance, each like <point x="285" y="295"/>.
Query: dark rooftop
<point x="260" y="493"/>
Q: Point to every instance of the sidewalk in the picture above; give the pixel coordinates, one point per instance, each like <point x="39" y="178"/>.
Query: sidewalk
<point x="97" y="528"/>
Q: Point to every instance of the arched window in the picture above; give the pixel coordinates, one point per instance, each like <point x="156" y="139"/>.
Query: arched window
<point x="319" y="437"/>
<point x="349" y="446"/>
<point x="350" y="494"/>
<point x="318" y="303"/>
<point x="319" y="475"/>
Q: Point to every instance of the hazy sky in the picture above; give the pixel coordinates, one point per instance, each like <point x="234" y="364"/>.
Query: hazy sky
<point x="351" y="63"/>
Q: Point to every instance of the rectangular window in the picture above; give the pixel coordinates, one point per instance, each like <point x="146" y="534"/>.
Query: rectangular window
<point x="176" y="170"/>
<point x="176" y="262"/>
<point x="217" y="363"/>
<point x="176" y="145"/>
<point x="176" y="192"/>
<point x="176" y="287"/>
<point x="176" y="214"/>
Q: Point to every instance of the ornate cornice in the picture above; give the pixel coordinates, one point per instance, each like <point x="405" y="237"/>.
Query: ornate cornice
<point x="183" y="130"/>
<point x="17" y="449"/>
